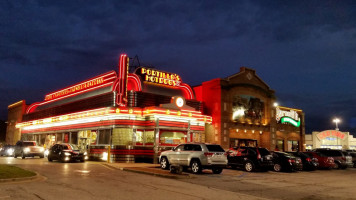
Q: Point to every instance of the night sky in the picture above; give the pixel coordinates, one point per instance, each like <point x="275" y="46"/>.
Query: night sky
<point x="304" y="50"/>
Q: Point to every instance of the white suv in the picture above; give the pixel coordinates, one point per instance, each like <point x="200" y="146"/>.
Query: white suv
<point x="197" y="156"/>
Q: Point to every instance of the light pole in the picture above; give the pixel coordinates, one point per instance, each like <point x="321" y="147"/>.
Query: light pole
<point x="336" y="120"/>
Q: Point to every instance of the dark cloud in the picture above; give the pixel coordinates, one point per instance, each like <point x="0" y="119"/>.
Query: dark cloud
<point x="302" y="49"/>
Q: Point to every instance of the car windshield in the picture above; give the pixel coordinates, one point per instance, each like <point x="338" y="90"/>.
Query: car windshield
<point x="70" y="147"/>
<point x="29" y="144"/>
<point x="215" y="148"/>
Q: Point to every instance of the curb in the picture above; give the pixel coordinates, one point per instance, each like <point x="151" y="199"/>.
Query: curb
<point x="20" y="179"/>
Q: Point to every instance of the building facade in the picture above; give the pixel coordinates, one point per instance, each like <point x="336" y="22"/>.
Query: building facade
<point x="243" y="112"/>
<point x="126" y="117"/>
<point x="332" y="139"/>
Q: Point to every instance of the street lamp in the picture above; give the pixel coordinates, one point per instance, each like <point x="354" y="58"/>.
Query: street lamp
<point x="336" y="120"/>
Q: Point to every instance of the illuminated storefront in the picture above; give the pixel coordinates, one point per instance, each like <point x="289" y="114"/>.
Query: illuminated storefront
<point x="244" y="115"/>
<point x="332" y="139"/>
<point x="137" y="114"/>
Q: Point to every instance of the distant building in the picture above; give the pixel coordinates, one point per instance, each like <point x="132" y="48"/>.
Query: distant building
<point x="243" y="114"/>
<point x="15" y="112"/>
<point x="330" y="139"/>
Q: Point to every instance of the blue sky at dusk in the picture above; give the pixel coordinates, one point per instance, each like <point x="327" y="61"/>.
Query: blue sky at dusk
<point x="304" y="50"/>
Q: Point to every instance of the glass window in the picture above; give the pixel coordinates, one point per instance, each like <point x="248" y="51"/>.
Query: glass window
<point x="139" y="137"/>
<point x="59" y="138"/>
<point x="280" y="145"/>
<point x="66" y="138"/>
<point x="149" y="137"/>
<point x="104" y="136"/>
<point x="172" y="138"/>
<point x="93" y="138"/>
<point x="74" y="138"/>
<point x="293" y="145"/>
<point x="122" y="136"/>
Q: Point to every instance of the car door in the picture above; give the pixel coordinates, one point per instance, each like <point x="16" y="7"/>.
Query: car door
<point x="185" y="155"/>
<point x="54" y="152"/>
<point x="173" y="157"/>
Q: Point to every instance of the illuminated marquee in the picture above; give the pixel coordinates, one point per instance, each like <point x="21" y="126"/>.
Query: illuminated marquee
<point x="160" y="77"/>
<point x="288" y="116"/>
<point x="90" y="84"/>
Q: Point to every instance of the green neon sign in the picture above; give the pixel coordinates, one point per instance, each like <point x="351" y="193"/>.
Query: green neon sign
<point x="291" y="121"/>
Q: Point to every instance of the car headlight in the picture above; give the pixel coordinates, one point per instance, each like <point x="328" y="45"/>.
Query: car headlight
<point x="46" y="152"/>
<point x="10" y="151"/>
<point x="26" y="150"/>
<point x="41" y="149"/>
<point x="67" y="154"/>
<point x="85" y="153"/>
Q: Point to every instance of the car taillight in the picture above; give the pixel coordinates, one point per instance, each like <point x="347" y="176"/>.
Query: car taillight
<point x="344" y="158"/>
<point x="259" y="156"/>
<point x="291" y="160"/>
<point x="308" y="159"/>
<point x="207" y="154"/>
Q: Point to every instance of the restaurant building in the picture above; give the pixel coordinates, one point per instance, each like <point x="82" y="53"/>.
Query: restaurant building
<point x="243" y="111"/>
<point x="332" y="139"/>
<point x="128" y="116"/>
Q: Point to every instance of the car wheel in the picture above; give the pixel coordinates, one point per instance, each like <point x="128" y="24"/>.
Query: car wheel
<point x="23" y="156"/>
<point x="196" y="167"/>
<point x="277" y="167"/>
<point x="49" y="158"/>
<point x="82" y="160"/>
<point x="337" y="165"/>
<point x="42" y="156"/>
<point x="249" y="167"/>
<point x="15" y="156"/>
<point x="217" y="170"/>
<point x="164" y="163"/>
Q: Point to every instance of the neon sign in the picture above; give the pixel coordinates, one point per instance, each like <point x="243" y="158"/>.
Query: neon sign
<point x="84" y="86"/>
<point x="160" y="77"/>
<point x="291" y="116"/>
<point x="331" y="133"/>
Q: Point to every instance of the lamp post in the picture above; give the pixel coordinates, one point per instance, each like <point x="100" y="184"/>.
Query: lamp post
<point x="336" y="120"/>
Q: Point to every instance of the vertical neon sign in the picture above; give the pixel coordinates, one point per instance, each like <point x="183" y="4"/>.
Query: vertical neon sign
<point x="123" y="73"/>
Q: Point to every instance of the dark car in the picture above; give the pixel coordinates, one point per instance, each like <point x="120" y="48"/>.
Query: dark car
<point x="7" y="150"/>
<point x="325" y="162"/>
<point x="28" y="149"/>
<point x="341" y="160"/>
<point x="286" y="162"/>
<point x="66" y="153"/>
<point x="309" y="163"/>
<point x="250" y="158"/>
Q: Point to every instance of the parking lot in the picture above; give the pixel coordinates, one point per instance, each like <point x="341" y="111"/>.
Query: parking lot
<point x="319" y="184"/>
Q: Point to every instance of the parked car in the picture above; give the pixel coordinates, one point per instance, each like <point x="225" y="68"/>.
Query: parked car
<point x="341" y="160"/>
<point x="286" y="162"/>
<point x="66" y="153"/>
<point x="353" y="155"/>
<point x="250" y="158"/>
<point x="309" y="163"/>
<point x="28" y="149"/>
<point x="197" y="156"/>
<point x="325" y="162"/>
<point x="7" y="150"/>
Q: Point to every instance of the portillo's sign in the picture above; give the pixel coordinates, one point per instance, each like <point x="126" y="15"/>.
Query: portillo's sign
<point x="160" y="77"/>
<point x="288" y="116"/>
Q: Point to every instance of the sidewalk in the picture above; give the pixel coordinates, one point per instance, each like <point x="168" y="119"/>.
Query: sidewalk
<point x="147" y="168"/>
